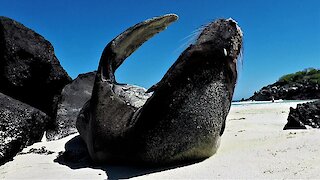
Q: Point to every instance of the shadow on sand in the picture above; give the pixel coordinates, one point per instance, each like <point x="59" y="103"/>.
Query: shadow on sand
<point x="76" y="157"/>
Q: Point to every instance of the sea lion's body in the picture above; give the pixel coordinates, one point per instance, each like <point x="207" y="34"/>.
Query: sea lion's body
<point x="185" y="116"/>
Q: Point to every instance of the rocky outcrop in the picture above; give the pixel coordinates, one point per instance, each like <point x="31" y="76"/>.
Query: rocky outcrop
<point x="73" y="97"/>
<point x="295" y="91"/>
<point x="29" y="69"/>
<point x="20" y="125"/>
<point x="300" y="85"/>
<point x="307" y="114"/>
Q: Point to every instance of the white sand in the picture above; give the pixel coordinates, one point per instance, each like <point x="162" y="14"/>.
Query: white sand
<point x="253" y="146"/>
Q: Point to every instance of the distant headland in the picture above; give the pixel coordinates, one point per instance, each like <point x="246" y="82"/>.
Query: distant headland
<point x="301" y="85"/>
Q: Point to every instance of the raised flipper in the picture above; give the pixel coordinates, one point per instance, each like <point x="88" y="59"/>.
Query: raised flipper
<point x="130" y="40"/>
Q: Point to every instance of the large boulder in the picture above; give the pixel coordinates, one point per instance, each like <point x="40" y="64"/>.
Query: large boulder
<point x="307" y="114"/>
<point x="29" y="69"/>
<point x="20" y="125"/>
<point x="73" y="97"/>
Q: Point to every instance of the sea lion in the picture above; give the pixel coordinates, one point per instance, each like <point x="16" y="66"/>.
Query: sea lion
<point x="184" y="117"/>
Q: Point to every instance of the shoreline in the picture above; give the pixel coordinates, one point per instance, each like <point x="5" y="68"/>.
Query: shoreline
<point x="275" y="101"/>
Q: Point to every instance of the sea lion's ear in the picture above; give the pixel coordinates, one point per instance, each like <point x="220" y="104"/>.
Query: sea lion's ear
<point x="127" y="42"/>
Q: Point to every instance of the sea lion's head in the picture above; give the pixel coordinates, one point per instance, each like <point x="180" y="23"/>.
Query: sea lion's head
<point x="216" y="49"/>
<point x="222" y="37"/>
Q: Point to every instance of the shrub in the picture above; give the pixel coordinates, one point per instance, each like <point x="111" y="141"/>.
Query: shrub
<point x="311" y="75"/>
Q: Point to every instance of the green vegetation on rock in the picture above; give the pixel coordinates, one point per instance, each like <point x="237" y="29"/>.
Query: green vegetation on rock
<point x="301" y="85"/>
<point x="310" y="75"/>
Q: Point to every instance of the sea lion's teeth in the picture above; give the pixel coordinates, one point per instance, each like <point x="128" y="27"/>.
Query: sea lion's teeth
<point x="225" y="52"/>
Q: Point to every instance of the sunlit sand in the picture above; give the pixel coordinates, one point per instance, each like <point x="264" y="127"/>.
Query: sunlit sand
<point x="252" y="146"/>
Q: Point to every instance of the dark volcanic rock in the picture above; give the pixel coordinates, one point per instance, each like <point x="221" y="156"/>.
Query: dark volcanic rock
<point x="41" y="150"/>
<point x="73" y="97"/>
<point x="20" y="125"/>
<point x="305" y="114"/>
<point x="300" y="85"/>
<point x="29" y="69"/>
<point x="296" y="91"/>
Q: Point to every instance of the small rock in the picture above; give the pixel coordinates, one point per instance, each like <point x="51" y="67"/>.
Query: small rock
<point x="307" y="114"/>
<point x="41" y="150"/>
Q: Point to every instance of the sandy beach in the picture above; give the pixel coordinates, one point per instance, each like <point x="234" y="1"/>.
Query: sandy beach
<point x="252" y="146"/>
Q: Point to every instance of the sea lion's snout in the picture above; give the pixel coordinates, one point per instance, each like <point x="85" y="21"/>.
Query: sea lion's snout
<point x="224" y="36"/>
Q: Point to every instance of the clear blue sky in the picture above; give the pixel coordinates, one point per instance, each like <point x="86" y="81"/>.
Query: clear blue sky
<point x="280" y="36"/>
